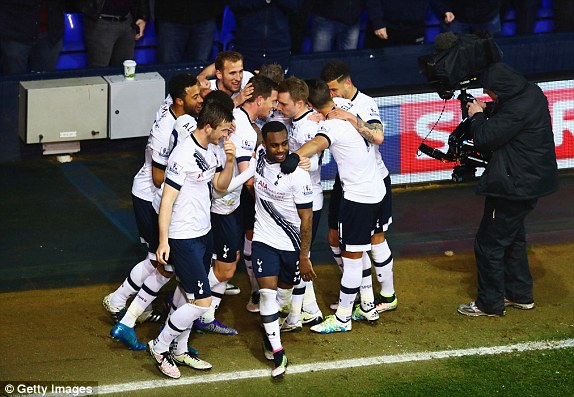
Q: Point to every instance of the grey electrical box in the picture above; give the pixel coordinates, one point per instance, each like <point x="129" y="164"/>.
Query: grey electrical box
<point x="63" y="110"/>
<point x="134" y="103"/>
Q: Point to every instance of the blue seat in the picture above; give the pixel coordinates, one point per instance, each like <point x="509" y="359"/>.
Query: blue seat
<point x="227" y="32"/>
<point x="73" y="33"/>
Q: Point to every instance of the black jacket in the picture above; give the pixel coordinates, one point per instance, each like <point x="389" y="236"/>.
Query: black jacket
<point x="518" y="132"/>
<point x="263" y="26"/>
<point x="92" y="8"/>
<point x="19" y="20"/>
<point x="468" y="11"/>
<point x="187" y="12"/>
<point x="397" y="13"/>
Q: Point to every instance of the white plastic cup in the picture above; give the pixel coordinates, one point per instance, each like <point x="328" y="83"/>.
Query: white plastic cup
<point x="130" y="69"/>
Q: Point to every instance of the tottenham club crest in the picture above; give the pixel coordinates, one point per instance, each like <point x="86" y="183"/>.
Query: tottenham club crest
<point x="279" y="176"/>
<point x="225" y="251"/>
<point x="259" y="263"/>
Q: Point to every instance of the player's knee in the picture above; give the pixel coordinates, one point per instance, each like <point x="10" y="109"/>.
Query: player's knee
<point x="224" y="271"/>
<point x="378" y="238"/>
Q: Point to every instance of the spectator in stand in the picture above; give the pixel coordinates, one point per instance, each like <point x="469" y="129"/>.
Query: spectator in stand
<point x="336" y="24"/>
<point x="396" y="22"/>
<point x="111" y="28"/>
<point x="185" y="29"/>
<point x="563" y="15"/>
<point x="262" y="30"/>
<point x="468" y="16"/>
<point x="525" y="11"/>
<point x="298" y="25"/>
<point x="31" y="34"/>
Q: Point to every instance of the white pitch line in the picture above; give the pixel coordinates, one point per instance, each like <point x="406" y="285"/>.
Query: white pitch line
<point x="325" y="366"/>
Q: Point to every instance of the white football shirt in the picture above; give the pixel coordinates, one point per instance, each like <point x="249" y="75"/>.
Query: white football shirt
<point x="190" y="169"/>
<point x="368" y="111"/>
<point x="356" y="162"/>
<point x="303" y="130"/>
<point x="156" y="153"/>
<point x="277" y="196"/>
<point x="244" y="137"/>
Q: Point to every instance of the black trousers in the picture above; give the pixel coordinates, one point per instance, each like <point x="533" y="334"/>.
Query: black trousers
<point x="500" y="251"/>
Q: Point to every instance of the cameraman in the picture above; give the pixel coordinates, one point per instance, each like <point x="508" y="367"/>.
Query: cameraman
<point x="517" y="130"/>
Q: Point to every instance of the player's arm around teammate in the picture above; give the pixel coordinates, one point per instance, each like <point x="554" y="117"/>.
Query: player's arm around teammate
<point x="372" y="132"/>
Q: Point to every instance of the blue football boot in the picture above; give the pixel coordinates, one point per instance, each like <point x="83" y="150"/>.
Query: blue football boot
<point x="127" y="336"/>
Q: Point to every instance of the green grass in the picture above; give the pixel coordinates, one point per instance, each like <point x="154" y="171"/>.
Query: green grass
<point x="537" y="373"/>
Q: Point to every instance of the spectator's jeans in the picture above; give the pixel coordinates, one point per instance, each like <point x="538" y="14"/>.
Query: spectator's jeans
<point x="458" y="27"/>
<point x="38" y="56"/>
<point x="109" y="43"/>
<point x="330" y="35"/>
<point x="179" y="42"/>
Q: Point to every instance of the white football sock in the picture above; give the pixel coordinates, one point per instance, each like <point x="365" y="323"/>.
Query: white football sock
<point x="337" y="256"/>
<point x="132" y="283"/>
<point x="383" y="259"/>
<point x="367" y="297"/>
<point x="269" y="311"/>
<point x="309" y="299"/>
<point x="179" y="321"/>
<point x="350" y="285"/>
<point x="249" y="265"/>
<point x="144" y="298"/>
<point x="296" y="303"/>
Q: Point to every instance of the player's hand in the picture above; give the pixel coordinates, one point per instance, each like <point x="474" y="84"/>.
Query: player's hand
<point x="243" y="95"/>
<point x="341" y="114"/>
<point x="306" y="268"/>
<point x="316" y="117"/>
<point x="290" y="163"/>
<point x="229" y="149"/>
<point x="305" y="163"/>
<point x="448" y="17"/>
<point x="204" y="86"/>
<point x="162" y="253"/>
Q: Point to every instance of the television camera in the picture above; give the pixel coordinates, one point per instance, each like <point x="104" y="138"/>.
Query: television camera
<point x="458" y="61"/>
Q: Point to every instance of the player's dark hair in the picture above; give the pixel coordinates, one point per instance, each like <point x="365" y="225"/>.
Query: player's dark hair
<point x="272" y="126"/>
<point x="335" y="70"/>
<point x="272" y="70"/>
<point x="179" y="83"/>
<point x="214" y="113"/>
<point x="219" y="97"/>
<point x="262" y="86"/>
<point x="319" y="94"/>
<point x="296" y="88"/>
<point x="230" y="56"/>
